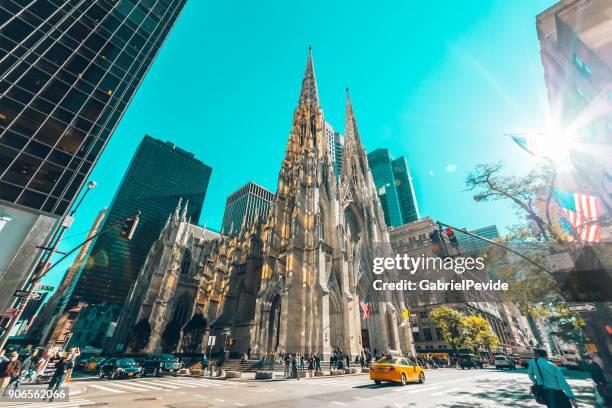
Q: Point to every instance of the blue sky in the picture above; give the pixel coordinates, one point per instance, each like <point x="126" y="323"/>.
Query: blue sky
<point x="439" y="83"/>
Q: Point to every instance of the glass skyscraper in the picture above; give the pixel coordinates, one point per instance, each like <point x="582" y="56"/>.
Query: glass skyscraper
<point x="159" y="175"/>
<point x="394" y="187"/>
<point x="246" y="203"/>
<point x="68" y="70"/>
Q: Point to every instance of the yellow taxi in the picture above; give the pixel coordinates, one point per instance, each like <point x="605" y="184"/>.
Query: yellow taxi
<point x="396" y="369"/>
<point x="92" y="364"/>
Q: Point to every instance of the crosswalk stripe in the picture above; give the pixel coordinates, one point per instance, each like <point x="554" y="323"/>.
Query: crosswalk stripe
<point x="436" y="394"/>
<point x="163" y="384"/>
<point x="421" y="389"/>
<point x="133" y="387"/>
<point x="103" y="388"/>
<point x="145" y="385"/>
<point x="180" y="383"/>
<point x="208" y="383"/>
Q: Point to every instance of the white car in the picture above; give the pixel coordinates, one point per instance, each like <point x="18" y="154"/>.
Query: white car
<point x="502" y="362"/>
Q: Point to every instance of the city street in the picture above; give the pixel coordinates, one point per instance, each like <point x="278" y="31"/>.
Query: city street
<point x="443" y="388"/>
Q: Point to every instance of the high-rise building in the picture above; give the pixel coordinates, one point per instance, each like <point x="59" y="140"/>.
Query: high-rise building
<point x="335" y="146"/>
<point x="576" y="53"/>
<point x="394" y="187"/>
<point x="405" y="190"/>
<point x="244" y="205"/>
<point x="68" y="71"/>
<point x="474" y="246"/>
<point x="160" y="175"/>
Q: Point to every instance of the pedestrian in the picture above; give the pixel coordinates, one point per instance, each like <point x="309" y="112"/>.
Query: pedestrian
<point x="362" y="360"/>
<point x="287" y="366"/>
<point x="311" y="365"/>
<point x="294" y="368"/>
<point x="9" y="371"/>
<point x="3" y="355"/>
<point x="249" y="351"/>
<point x="243" y="359"/>
<point x="549" y="382"/>
<point x="317" y="362"/>
<point x="62" y="370"/>
<point x="597" y="373"/>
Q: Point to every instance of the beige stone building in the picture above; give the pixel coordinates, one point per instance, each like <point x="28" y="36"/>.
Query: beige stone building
<point x="292" y="282"/>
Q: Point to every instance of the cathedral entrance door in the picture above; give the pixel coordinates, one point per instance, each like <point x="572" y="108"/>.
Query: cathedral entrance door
<point x="274" y="325"/>
<point x="365" y="339"/>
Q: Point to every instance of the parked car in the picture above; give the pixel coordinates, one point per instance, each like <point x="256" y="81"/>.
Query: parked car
<point x="502" y="362"/>
<point x="396" y="369"/>
<point x="469" y="361"/>
<point x="92" y="364"/>
<point x="116" y="368"/>
<point x="158" y="364"/>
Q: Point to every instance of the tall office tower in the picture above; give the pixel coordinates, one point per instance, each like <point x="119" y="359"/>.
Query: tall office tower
<point x="159" y="175"/>
<point x="68" y="71"/>
<point x="243" y="206"/>
<point x="53" y="309"/>
<point x="335" y="147"/>
<point x="576" y="53"/>
<point x="405" y="190"/>
<point x="394" y="186"/>
<point x="339" y="147"/>
<point x="474" y="246"/>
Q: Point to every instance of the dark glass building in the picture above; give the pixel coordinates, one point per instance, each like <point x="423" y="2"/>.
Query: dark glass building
<point x="68" y="70"/>
<point x="245" y="204"/>
<point x="394" y="187"/>
<point x="159" y="175"/>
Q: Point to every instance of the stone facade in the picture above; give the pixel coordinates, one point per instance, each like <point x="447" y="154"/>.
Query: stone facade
<point x="291" y="281"/>
<point x="296" y="280"/>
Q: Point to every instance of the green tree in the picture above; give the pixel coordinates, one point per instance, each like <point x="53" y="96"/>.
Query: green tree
<point x="140" y="336"/>
<point x="451" y="324"/>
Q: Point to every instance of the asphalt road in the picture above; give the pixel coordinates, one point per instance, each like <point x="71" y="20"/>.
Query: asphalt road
<point x="443" y="388"/>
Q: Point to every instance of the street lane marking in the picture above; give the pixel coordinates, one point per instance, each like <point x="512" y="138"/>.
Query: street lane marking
<point x="74" y="403"/>
<point x="339" y="403"/>
<point x="103" y="388"/>
<point x="180" y="383"/>
<point x="145" y="385"/>
<point x="424" y="389"/>
<point x="200" y="396"/>
<point x="361" y="398"/>
<point x="436" y="394"/>
<point x="163" y="384"/>
<point x="239" y="404"/>
<point x="130" y="387"/>
<point x="220" y="400"/>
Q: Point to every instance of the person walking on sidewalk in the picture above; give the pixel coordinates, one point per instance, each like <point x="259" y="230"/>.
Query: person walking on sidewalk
<point x="557" y="392"/>
<point x="294" y="368"/>
<point x="9" y="371"/>
<point x="62" y="369"/>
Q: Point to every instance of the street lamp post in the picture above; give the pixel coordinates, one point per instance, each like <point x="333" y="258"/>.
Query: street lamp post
<point x="43" y="265"/>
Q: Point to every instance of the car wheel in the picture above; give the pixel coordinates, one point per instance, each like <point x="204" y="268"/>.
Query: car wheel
<point x="421" y="378"/>
<point x="377" y="382"/>
<point x="101" y="375"/>
<point x="403" y="379"/>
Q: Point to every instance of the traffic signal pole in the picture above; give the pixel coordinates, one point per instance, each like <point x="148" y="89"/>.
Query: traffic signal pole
<point x="44" y="268"/>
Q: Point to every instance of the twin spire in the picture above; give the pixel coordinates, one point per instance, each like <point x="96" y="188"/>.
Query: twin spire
<point x="310" y="94"/>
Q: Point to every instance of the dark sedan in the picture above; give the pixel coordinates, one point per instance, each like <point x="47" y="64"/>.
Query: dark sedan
<point x="116" y="368"/>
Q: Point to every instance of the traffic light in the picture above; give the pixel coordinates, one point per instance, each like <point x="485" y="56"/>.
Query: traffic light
<point x="230" y="342"/>
<point x="436" y="242"/>
<point x="451" y="235"/>
<point x="129" y="226"/>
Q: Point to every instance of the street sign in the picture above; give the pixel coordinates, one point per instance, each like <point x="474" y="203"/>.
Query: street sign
<point x="43" y="288"/>
<point x="24" y="293"/>
<point x="584" y="307"/>
<point x="560" y="261"/>
<point x="10" y="312"/>
<point x="212" y="340"/>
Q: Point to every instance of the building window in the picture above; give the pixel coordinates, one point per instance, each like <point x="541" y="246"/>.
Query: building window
<point x="582" y="67"/>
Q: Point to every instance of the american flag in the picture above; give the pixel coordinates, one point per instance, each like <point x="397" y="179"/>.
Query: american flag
<point x="581" y="212"/>
<point x="366" y="308"/>
<point x="533" y="144"/>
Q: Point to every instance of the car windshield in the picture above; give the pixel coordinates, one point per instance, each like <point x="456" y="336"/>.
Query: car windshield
<point x="126" y="362"/>
<point x="386" y="360"/>
<point x="500" y="357"/>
